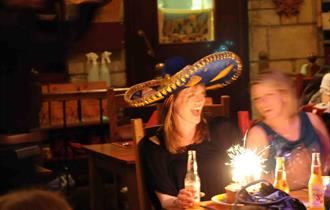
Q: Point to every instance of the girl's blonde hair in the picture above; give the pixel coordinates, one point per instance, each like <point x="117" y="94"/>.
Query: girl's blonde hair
<point x="283" y="84"/>
<point x="172" y="138"/>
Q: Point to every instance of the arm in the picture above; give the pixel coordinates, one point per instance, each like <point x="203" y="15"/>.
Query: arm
<point x="323" y="135"/>
<point x="257" y="140"/>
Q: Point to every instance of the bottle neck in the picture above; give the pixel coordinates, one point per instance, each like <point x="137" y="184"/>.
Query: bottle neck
<point x="192" y="163"/>
<point x="316" y="170"/>
<point x="316" y="164"/>
<point x="280" y="175"/>
<point x="280" y="168"/>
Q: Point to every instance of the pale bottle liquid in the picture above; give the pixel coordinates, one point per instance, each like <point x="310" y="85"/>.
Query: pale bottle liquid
<point x="280" y="181"/>
<point x="192" y="181"/>
<point x="315" y="184"/>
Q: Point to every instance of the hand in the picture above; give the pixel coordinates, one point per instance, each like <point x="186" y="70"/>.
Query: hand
<point x="185" y="198"/>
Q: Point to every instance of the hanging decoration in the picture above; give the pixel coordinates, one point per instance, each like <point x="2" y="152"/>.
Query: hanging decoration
<point x="288" y="7"/>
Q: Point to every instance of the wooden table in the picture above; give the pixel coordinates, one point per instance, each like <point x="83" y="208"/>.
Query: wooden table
<point x="120" y="162"/>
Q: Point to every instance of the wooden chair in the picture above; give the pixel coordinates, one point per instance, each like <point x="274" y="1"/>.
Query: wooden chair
<point x="138" y="134"/>
<point x="244" y="121"/>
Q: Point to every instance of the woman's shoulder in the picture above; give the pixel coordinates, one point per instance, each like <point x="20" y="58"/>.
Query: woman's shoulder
<point x="257" y="137"/>
<point x="151" y="150"/>
<point x="153" y="142"/>
<point x="262" y="128"/>
<point x="258" y="128"/>
<point x="257" y="131"/>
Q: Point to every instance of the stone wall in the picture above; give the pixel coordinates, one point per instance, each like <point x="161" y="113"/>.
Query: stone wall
<point x="112" y="12"/>
<point x="286" y="40"/>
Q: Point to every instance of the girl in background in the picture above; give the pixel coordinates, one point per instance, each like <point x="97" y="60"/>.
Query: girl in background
<point x="283" y="130"/>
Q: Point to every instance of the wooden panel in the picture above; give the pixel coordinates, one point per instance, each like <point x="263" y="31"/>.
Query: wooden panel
<point x="100" y="37"/>
<point x="90" y="108"/>
<point x="57" y="117"/>
<point x="44" y="112"/>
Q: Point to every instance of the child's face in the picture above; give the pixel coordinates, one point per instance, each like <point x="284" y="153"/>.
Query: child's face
<point x="267" y="100"/>
<point x="189" y="103"/>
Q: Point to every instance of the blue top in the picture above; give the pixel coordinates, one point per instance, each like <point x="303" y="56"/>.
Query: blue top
<point x="280" y="146"/>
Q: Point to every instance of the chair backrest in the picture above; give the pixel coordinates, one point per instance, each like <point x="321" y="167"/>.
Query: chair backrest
<point x="215" y="110"/>
<point x="116" y="103"/>
<point x="244" y="121"/>
<point x="138" y="134"/>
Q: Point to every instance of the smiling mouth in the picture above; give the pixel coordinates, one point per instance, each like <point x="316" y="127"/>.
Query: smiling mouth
<point x="267" y="110"/>
<point x="196" y="111"/>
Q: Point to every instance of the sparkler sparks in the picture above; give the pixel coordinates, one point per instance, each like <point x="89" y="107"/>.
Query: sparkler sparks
<point x="247" y="165"/>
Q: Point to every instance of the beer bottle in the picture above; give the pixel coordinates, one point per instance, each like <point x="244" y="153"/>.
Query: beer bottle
<point x="192" y="181"/>
<point x="280" y="181"/>
<point x="315" y="184"/>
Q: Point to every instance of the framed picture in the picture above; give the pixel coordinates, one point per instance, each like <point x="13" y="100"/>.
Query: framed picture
<point x="195" y="23"/>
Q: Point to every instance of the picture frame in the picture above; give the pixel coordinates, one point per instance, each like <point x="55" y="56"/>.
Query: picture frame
<point x="185" y="25"/>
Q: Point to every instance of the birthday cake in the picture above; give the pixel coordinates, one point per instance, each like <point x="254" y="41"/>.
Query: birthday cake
<point x="231" y="191"/>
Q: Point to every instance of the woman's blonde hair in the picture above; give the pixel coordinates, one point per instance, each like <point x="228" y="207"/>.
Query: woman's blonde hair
<point x="283" y="84"/>
<point x="33" y="199"/>
<point x="172" y="138"/>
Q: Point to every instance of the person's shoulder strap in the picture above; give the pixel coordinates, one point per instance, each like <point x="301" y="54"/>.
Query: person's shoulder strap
<point x="306" y="123"/>
<point x="263" y="125"/>
<point x="304" y="117"/>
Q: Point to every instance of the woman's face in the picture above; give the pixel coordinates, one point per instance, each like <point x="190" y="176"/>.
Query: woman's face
<point x="267" y="100"/>
<point x="189" y="103"/>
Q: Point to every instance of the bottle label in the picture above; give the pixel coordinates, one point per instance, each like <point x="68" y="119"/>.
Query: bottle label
<point x="316" y="196"/>
<point x="195" y="187"/>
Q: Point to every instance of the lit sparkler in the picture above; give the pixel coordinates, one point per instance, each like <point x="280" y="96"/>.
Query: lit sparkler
<point x="247" y="165"/>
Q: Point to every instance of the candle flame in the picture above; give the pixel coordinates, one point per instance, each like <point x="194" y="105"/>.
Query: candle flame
<point x="247" y="165"/>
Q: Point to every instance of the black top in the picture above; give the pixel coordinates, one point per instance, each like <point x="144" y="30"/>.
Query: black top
<point x="164" y="172"/>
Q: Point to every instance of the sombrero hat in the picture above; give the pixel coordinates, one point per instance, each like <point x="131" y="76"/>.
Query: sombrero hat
<point x="214" y="71"/>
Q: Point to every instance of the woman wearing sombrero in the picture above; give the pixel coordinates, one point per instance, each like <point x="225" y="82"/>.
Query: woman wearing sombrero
<point x="164" y="154"/>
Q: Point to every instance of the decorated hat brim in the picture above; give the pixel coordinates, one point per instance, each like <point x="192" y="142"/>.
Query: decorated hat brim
<point x="214" y="71"/>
